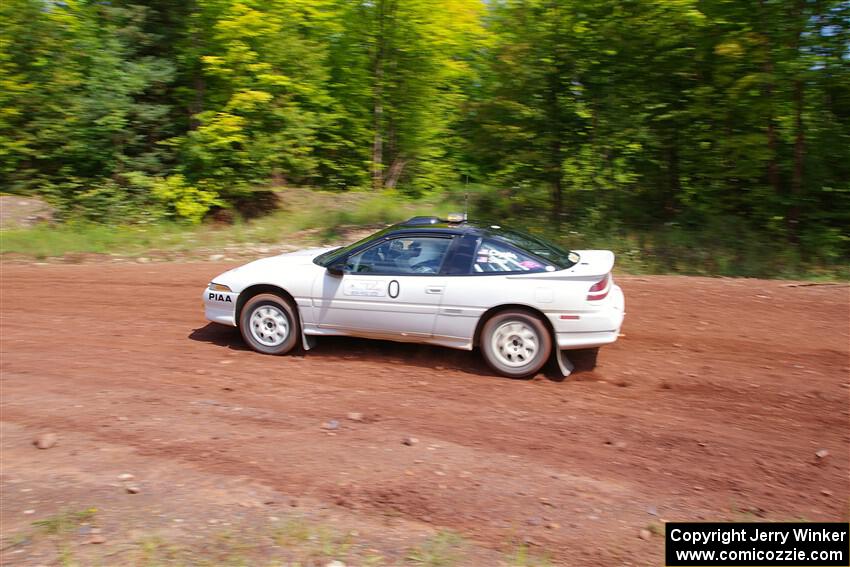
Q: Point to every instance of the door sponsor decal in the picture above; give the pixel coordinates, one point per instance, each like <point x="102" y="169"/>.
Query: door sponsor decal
<point x="363" y="288"/>
<point x="393" y="289"/>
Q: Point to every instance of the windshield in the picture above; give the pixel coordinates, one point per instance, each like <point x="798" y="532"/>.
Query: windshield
<point x="561" y="258"/>
<point x="327" y="258"/>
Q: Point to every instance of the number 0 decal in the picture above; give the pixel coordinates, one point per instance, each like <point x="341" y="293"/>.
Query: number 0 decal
<point x="393" y="289"/>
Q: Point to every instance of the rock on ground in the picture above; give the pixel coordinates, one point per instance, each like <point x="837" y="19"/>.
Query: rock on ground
<point x="45" y="440"/>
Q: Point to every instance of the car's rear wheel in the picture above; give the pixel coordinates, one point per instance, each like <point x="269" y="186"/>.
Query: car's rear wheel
<point x="268" y="324"/>
<point x="516" y="343"/>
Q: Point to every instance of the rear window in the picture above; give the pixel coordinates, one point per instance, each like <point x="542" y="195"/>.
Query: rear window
<point x="560" y="258"/>
<point x="493" y="256"/>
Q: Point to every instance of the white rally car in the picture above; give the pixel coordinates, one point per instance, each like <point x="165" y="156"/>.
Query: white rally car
<point x="451" y="283"/>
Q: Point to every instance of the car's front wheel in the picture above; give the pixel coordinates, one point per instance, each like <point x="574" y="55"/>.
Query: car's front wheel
<point x="516" y="343"/>
<point x="268" y="324"/>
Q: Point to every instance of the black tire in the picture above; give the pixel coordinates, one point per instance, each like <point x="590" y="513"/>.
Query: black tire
<point x="269" y="324"/>
<point x="516" y="343"/>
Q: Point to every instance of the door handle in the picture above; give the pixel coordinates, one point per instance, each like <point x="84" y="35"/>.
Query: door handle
<point x="435" y="289"/>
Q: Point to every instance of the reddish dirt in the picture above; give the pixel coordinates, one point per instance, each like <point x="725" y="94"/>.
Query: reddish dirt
<point x="710" y="407"/>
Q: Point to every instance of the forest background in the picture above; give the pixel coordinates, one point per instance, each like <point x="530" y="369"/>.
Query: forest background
<point x="694" y="136"/>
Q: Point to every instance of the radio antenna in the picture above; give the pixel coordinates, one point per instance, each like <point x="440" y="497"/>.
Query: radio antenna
<point x="466" y="199"/>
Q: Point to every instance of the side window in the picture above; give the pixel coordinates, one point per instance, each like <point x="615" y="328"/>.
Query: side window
<point x="406" y="255"/>
<point x="493" y="257"/>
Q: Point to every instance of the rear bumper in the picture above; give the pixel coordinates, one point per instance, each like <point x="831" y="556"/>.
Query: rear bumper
<point x="568" y="341"/>
<point x="220" y="307"/>
<point x="590" y="329"/>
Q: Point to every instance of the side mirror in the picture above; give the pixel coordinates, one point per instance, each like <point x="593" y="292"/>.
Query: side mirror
<point x="337" y="268"/>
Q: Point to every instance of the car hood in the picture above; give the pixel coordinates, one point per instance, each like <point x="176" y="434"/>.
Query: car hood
<point x="259" y="271"/>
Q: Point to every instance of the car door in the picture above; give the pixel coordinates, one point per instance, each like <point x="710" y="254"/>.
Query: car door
<point x="484" y="273"/>
<point x="392" y="288"/>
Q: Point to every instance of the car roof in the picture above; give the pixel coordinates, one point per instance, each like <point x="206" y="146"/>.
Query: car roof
<point x="418" y="226"/>
<point x="437" y="225"/>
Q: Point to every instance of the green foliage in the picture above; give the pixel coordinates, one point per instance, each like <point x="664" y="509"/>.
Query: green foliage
<point x="65" y="521"/>
<point x="96" y="201"/>
<point x="444" y="549"/>
<point x="522" y="557"/>
<point x="182" y="201"/>
<point x="263" y="100"/>
<point x="679" y="119"/>
<point x="80" y="237"/>
<point x="398" y="76"/>
<point x="82" y="100"/>
<point x="670" y="112"/>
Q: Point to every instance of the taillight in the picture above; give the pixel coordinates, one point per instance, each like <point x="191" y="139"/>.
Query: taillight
<point x="599" y="290"/>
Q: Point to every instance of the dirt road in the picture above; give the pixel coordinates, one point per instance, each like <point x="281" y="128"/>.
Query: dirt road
<point x="712" y="406"/>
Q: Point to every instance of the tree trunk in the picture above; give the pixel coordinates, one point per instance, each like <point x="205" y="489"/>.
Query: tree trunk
<point x="555" y="80"/>
<point x="378" y="148"/>
<point x="798" y="97"/>
<point x="394" y="172"/>
<point x="385" y="11"/>
<point x="197" y="104"/>
<point x="557" y="201"/>
<point x="772" y="165"/>
<point x="674" y="184"/>
<point x="799" y="156"/>
<point x="555" y="150"/>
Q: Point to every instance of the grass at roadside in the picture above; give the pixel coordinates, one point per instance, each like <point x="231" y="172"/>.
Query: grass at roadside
<point x="310" y="218"/>
<point x="66" y="539"/>
<point x="304" y="218"/>
<point x="65" y="521"/>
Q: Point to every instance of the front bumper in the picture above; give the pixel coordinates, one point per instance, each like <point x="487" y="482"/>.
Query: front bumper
<point x="220" y="307"/>
<point x="592" y="328"/>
